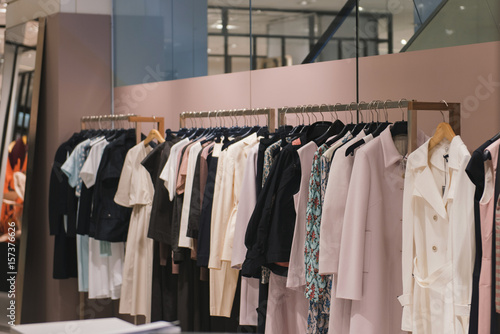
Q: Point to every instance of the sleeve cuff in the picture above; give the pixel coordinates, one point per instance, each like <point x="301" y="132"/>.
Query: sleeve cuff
<point x="405" y="300"/>
<point x="462" y="310"/>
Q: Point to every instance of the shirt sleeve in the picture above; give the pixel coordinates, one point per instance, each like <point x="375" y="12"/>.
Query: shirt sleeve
<point x="332" y="219"/>
<point x="406" y="299"/>
<point x="463" y="238"/>
<point x="167" y="173"/>
<point x="124" y="191"/>
<point x="91" y="166"/>
<point x="222" y="211"/>
<point x="69" y="168"/>
<point x="352" y="249"/>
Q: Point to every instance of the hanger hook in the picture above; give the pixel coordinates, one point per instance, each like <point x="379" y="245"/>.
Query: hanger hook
<point x="302" y="112"/>
<point x="360" y="111"/>
<point x="371" y="107"/>
<point x="377" y="107"/>
<point x="399" y="105"/>
<point x="327" y="109"/>
<point x="350" y="111"/>
<point x="385" y="108"/>
<point x="336" y="112"/>
<point x="319" y="110"/>
<point x="442" y="114"/>
<point x="310" y="110"/>
<point x="284" y="115"/>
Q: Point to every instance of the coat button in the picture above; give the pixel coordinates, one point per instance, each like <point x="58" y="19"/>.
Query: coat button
<point x="435" y="217"/>
<point x="434" y="249"/>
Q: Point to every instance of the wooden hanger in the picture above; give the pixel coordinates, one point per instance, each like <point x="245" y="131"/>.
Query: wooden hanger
<point x="443" y="130"/>
<point x="153" y="134"/>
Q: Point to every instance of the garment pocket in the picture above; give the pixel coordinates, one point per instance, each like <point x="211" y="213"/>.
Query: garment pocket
<point x="368" y="251"/>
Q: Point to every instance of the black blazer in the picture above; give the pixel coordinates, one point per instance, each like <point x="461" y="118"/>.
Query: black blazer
<point x="495" y="317"/>
<point x="475" y="171"/>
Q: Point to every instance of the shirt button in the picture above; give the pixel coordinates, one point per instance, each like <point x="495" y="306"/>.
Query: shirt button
<point x="434" y="249"/>
<point x="435" y="217"/>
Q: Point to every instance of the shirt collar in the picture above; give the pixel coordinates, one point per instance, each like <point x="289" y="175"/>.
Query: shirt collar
<point x="248" y="140"/>
<point x="389" y="150"/>
<point x="420" y="157"/>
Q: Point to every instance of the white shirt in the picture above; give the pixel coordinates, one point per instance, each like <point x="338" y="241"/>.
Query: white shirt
<point x="91" y="165"/>
<point x="169" y="171"/>
<point x="246" y="205"/>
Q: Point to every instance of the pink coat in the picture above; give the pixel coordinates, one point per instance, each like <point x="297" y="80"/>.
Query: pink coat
<point x="486" y="208"/>
<point x="369" y="271"/>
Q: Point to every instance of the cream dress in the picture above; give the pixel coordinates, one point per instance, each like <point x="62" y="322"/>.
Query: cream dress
<point x="135" y="190"/>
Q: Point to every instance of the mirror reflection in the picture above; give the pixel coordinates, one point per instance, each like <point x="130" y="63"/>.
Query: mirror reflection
<point x="15" y="114"/>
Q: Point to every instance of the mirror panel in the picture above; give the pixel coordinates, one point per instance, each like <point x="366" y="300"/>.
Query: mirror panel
<point x="21" y="76"/>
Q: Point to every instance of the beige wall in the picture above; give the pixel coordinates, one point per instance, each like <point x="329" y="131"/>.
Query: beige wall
<point x="467" y="74"/>
<point x="76" y="82"/>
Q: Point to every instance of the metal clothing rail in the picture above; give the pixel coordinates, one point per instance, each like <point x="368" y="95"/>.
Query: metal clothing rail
<point x="413" y="107"/>
<point x="98" y="118"/>
<point x="269" y="112"/>
<point x="138" y="120"/>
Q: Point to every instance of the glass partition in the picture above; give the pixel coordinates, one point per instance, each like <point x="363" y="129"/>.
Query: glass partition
<point x="458" y="22"/>
<point x="156" y="40"/>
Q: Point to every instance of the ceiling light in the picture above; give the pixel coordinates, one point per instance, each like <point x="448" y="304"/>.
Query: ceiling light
<point x="462" y="7"/>
<point x="304" y="3"/>
<point x="403" y="41"/>
<point x="449" y="32"/>
<point x="361" y="9"/>
<point x="209" y="50"/>
<point x="3" y="10"/>
<point x="220" y="26"/>
<point x="234" y="45"/>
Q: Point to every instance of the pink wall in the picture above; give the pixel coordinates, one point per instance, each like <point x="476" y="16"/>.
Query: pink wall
<point x="455" y="74"/>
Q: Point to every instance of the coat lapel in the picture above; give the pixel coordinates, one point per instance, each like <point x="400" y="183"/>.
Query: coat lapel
<point x="425" y="185"/>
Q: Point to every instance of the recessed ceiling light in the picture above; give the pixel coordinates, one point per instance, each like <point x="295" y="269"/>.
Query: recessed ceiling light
<point x="361" y="9"/>
<point x="462" y="7"/>
<point x="404" y="41"/>
<point x="304" y="3"/>
<point x="209" y="50"/>
<point x="234" y="45"/>
<point x="220" y="26"/>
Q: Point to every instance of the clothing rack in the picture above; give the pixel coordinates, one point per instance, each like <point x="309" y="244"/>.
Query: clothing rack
<point x="138" y="120"/>
<point x="98" y="118"/>
<point x="413" y="108"/>
<point x="269" y="112"/>
<point x="160" y="123"/>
